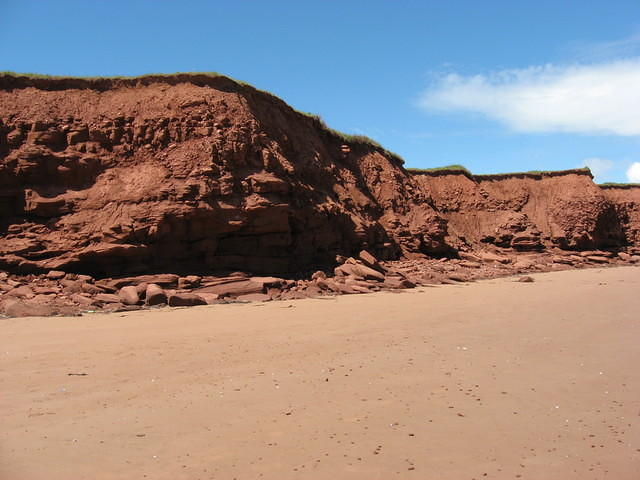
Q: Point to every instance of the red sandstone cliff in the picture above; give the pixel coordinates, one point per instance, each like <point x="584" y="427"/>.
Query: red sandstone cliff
<point x="193" y="173"/>
<point x="190" y="173"/>
<point x="626" y="201"/>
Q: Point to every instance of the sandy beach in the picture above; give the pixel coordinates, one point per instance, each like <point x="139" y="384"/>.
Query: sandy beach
<point x="494" y="379"/>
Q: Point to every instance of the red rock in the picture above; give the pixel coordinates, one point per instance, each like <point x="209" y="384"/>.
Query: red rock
<point x="361" y="284"/>
<point x="234" y="288"/>
<point x="186" y="300"/>
<point x="268" y="282"/>
<point x="459" y="277"/>
<point x="46" y="290"/>
<point x="354" y="288"/>
<point x="398" y="283"/>
<point x="369" y="273"/>
<point x="346" y="289"/>
<point x="318" y="275"/>
<point x="129" y="295"/>
<point x="23" y="291"/>
<point x="81" y="299"/>
<point x="107" y="298"/>
<point x="524" y="241"/>
<point x="77" y="136"/>
<point x="55" y="275"/>
<point x="267" y="183"/>
<point x="357" y="270"/>
<point x="525" y="279"/>
<point x="469" y="264"/>
<point x="624" y="256"/>
<point x="26" y="308"/>
<point x="238" y="275"/>
<point x="191" y="281"/>
<point x="254" y="297"/>
<point x="328" y="284"/>
<point x="210" y="298"/>
<point x="469" y="257"/>
<point x="292" y="295"/>
<point x="563" y="260"/>
<point x="492" y="257"/>
<point x="370" y="261"/>
<point x="114" y="307"/>
<point x="90" y="288"/>
<point x="44" y="206"/>
<point x="72" y="286"/>
<point x="312" y="291"/>
<point x="104" y="286"/>
<point x="165" y="280"/>
<point x="155" y="295"/>
<point x="43" y="298"/>
<point x="141" y="289"/>
<point x="597" y="259"/>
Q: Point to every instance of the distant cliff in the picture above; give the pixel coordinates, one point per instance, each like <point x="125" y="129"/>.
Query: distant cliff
<point x="533" y="211"/>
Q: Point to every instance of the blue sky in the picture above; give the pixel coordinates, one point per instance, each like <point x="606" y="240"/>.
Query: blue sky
<point x="493" y="85"/>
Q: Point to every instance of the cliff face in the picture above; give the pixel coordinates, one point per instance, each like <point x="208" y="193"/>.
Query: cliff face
<point x="533" y="211"/>
<point x="190" y="173"/>
<point x="195" y="173"/>
<point x="626" y="201"/>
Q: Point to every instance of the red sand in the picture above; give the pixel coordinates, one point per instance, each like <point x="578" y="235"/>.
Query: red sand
<point x="495" y="379"/>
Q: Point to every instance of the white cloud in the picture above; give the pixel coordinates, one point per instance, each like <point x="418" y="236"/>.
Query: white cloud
<point x="616" y="49"/>
<point x="598" y="98"/>
<point x="633" y="172"/>
<point x="598" y="166"/>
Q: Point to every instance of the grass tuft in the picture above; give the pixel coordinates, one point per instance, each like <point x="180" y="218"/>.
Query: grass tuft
<point x="352" y="139"/>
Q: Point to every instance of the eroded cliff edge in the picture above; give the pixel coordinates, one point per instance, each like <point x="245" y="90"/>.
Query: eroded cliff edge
<point x="191" y="173"/>
<point x="200" y="174"/>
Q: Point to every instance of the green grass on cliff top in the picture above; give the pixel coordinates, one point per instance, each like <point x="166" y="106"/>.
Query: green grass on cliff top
<point x="345" y="137"/>
<point x="446" y="168"/>
<point x="616" y="184"/>
<point x="129" y="77"/>
<point x="536" y="172"/>
<point x="462" y="169"/>
<point x="62" y="77"/>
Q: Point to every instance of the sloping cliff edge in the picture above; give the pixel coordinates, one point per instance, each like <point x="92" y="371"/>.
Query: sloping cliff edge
<point x="200" y="174"/>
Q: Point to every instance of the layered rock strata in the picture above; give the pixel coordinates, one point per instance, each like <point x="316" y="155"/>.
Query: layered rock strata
<point x="190" y="174"/>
